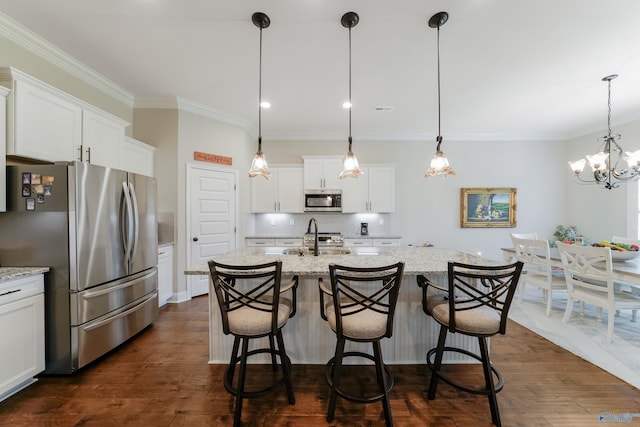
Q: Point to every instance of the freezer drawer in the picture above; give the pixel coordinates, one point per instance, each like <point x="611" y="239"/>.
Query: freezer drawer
<point x="96" y="338"/>
<point x="95" y="302"/>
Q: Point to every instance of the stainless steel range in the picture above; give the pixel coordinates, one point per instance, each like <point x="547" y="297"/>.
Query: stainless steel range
<point x="328" y="239"/>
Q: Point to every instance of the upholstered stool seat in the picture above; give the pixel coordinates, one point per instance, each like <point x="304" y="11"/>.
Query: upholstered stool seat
<point x="361" y="309"/>
<point x="475" y="303"/>
<point x="251" y="306"/>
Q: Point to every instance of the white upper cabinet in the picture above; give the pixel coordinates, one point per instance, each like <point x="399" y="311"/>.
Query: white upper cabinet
<point x="322" y="172"/>
<point x="137" y="157"/>
<point x="3" y="145"/>
<point x="102" y="137"/>
<point x="45" y="123"/>
<point x="374" y="191"/>
<point x="282" y="192"/>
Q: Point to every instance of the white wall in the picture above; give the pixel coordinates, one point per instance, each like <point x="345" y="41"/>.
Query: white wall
<point x="428" y="210"/>
<point x="600" y="214"/>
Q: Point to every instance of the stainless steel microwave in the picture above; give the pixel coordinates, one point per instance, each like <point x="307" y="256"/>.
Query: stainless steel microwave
<point x="323" y="200"/>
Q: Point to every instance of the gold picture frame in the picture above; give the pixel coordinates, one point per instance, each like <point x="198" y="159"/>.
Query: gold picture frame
<point x="487" y="207"/>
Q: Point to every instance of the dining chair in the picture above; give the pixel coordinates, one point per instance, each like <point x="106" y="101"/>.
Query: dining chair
<point x="477" y="304"/>
<point x="533" y="235"/>
<point x="538" y="272"/>
<point x="361" y="308"/>
<point x="251" y="306"/>
<point x="589" y="276"/>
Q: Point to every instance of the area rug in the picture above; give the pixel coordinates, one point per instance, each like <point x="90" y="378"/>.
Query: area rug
<point x="584" y="335"/>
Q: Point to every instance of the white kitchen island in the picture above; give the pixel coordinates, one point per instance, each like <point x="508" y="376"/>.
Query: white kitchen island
<point x="308" y="338"/>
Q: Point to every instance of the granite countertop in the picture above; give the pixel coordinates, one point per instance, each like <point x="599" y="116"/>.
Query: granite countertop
<point x="346" y="236"/>
<point x="11" y="273"/>
<point x="418" y="260"/>
<point x="371" y="236"/>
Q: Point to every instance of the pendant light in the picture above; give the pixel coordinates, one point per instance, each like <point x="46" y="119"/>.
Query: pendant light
<point x="350" y="167"/>
<point x="605" y="168"/>
<point x="439" y="163"/>
<point x="259" y="165"/>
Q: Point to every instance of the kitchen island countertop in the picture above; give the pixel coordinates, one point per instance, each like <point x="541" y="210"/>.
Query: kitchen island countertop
<point x="10" y="273"/>
<point x="418" y="260"/>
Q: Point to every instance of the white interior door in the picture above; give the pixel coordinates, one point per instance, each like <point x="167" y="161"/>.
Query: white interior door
<point x="212" y="219"/>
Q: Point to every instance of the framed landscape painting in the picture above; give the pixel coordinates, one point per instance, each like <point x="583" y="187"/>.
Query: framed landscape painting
<point x="487" y="207"/>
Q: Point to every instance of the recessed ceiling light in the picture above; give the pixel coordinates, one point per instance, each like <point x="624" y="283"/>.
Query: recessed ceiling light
<point x="265" y="104"/>
<point x="347" y="104"/>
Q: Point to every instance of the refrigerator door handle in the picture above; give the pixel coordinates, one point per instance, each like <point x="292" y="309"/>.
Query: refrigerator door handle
<point x="126" y="221"/>
<point x="136" y="222"/>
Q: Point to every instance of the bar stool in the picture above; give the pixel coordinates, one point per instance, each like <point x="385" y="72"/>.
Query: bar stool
<point x="251" y="306"/>
<point x="475" y="303"/>
<point x="361" y="309"/>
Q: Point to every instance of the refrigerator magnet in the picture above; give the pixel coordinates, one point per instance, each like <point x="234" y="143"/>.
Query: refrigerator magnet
<point x="26" y="190"/>
<point x="40" y="199"/>
<point x="35" y="178"/>
<point x="31" y="204"/>
<point x="26" y="177"/>
<point x="38" y="189"/>
<point x="48" y="190"/>
<point x="47" y="179"/>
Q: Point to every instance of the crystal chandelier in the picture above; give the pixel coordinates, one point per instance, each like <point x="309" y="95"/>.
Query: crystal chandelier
<point x="439" y="163"/>
<point x="606" y="163"/>
<point x="350" y="166"/>
<point x="259" y="165"/>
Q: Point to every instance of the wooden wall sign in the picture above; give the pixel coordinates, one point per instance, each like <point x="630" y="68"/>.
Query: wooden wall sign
<point x="212" y="158"/>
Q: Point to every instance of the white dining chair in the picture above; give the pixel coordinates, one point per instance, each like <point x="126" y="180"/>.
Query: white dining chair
<point x="536" y="256"/>
<point x="533" y="235"/>
<point x="589" y="275"/>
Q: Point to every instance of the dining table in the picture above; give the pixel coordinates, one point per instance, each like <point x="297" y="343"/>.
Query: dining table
<point x="623" y="271"/>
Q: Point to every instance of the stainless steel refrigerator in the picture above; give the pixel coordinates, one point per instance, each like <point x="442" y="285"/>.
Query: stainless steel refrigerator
<point x="96" y="229"/>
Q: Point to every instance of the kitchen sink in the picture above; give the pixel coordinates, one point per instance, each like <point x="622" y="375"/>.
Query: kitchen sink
<point x="321" y="251"/>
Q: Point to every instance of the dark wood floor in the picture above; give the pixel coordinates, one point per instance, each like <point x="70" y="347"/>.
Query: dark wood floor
<point x="162" y="379"/>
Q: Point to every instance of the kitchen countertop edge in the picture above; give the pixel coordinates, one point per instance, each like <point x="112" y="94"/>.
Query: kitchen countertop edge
<point x="11" y="273"/>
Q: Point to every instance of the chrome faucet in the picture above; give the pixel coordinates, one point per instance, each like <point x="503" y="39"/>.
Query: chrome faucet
<point x="315" y="237"/>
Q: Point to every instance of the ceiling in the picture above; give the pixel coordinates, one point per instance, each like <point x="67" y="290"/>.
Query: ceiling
<point x="510" y="69"/>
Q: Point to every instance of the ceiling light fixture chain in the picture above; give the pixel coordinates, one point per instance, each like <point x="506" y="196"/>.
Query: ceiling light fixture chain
<point x="259" y="165"/>
<point x="350" y="166"/>
<point x="605" y="169"/>
<point x="439" y="163"/>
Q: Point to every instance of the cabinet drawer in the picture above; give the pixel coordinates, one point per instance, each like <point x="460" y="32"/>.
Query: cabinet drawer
<point x="288" y="242"/>
<point x="357" y="242"/>
<point x="260" y="242"/>
<point x="386" y="242"/>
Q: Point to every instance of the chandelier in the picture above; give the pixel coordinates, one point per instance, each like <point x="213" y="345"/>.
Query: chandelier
<point x="606" y="163"/>
<point x="259" y="165"/>
<point x="439" y="163"/>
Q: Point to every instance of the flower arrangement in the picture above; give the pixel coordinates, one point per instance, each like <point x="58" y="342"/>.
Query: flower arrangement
<point x="565" y="235"/>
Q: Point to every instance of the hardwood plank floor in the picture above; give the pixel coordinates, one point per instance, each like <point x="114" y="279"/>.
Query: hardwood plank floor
<point x="162" y="378"/>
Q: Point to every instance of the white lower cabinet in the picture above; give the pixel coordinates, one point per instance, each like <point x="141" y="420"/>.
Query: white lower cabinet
<point x="165" y="274"/>
<point x="22" y="331"/>
<point x="257" y="242"/>
<point x="389" y="242"/>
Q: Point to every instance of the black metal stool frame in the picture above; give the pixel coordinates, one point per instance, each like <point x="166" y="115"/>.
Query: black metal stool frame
<point x="348" y="301"/>
<point x="472" y="287"/>
<point x="230" y="299"/>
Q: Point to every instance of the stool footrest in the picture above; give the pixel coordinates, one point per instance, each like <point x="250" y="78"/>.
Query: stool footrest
<point x="229" y="373"/>
<point x="448" y="380"/>
<point x="350" y="397"/>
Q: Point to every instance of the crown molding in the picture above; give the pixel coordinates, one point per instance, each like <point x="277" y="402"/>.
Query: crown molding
<point x="17" y="33"/>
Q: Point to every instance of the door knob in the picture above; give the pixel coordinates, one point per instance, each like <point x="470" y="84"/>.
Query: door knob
<point x="195" y="239"/>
